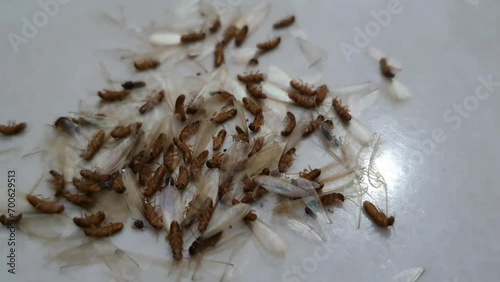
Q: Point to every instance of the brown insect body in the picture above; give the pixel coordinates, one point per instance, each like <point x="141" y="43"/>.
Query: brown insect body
<point x="57" y="182"/>
<point x="302" y="87"/>
<point x="145" y="173"/>
<point x="229" y="34"/>
<point x="257" y="122"/>
<point x="216" y="25"/>
<point x="286" y="160"/>
<point x="206" y="216"/>
<point x="253" y="77"/>
<point x="378" y="216"/>
<point x="147" y="64"/>
<point x="286" y="22"/>
<point x="255" y="91"/>
<point x="200" y="245"/>
<point x="189" y="130"/>
<point x="117" y="182"/>
<point x="216" y="161"/>
<point x="302" y="101"/>
<point x="158" y="147"/>
<point x="311" y="175"/>
<point x="290" y="124"/>
<point x="94" y="145"/>
<point x="253" y="61"/>
<point x="124" y="131"/>
<point x="182" y="179"/>
<point x="197" y="164"/>
<point x="94" y="175"/>
<point x="219" y="54"/>
<point x="193" y="37"/>
<point x="180" y="113"/>
<point x="269" y="45"/>
<point x="113" y="95"/>
<point x="386" y="69"/>
<point x="169" y="158"/>
<point x="12" y="128"/>
<point x="224" y="116"/>
<point x="104" y="231"/>
<point x="333" y="198"/>
<point x="44" y="206"/>
<point x="86" y="186"/>
<point x="94" y="219"/>
<point x="175" y="240"/>
<point x="152" y="216"/>
<point x="241" y="135"/>
<point x="257" y="146"/>
<point x="248" y="184"/>
<point x="341" y="111"/>
<point x="251" y="106"/>
<point x="81" y="200"/>
<point x="321" y="93"/>
<point x="218" y="140"/>
<point x="241" y="36"/>
<point x="10" y="221"/>
<point x="313" y="125"/>
<point x="152" y="103"/>
<point x="154" y="182"/>
<point x="137" y="162"/>
<point x="184" y="148"/>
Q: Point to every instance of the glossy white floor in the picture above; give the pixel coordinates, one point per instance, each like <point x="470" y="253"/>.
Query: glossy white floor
<point x="439" y="157"/>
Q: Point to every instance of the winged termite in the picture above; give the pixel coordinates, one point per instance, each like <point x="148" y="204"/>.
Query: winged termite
<point x="286" y="22"/>
<point x="95" y="119"/>
<point x="257" y="122"/>
<point x="241" y="135"/>
<point x="223" y="116"/>
<point x="197" y="205"/>
<point x="302" y="88"/>
<point x="57" y="182"/>
<point x="229" y="34"/>
<point x="206" y="216"/>
<point x="183" y="178"/>
<point x="124" y="131"/>
<point x="341" y="111"/>
<point x="286" y="160"/>
<point x="313" y="125"/>
<point x="10" y="220"/>
<point x="180" y="113"/>
<point x="94" y="219"/>
<point x="321" y="94"/>
<point x="152" y="216"/>
<point x="12" y="128"/>
<point x="253" y="77"/>
<point x="87" y="174"/>
<point x="158" y="146"/>
<point x="153" y="184"/>
<point x="216" y="161"/>
<point x="152" y="102"/>
<point x="332" y="198"/>
<point x="269" y="45"/>
<point x="256" y="91"/>
<point x="241" y="36"/>
<point x="81" y="200"/>
<point x="302" y="101"/>
<point x="113" y="95"/>
<point x="379" y="217"/>
<point x="169" y="158"/>
<point x="86" y="186"/>
<point x="104" y="231"/>
<point x="189" y="130"/>
<point x="146" y="64"/>
<point x="145" y="172"/>
<point x="218" y="140"/>
<point x="44" y="206"/>
<point x="193" y="37"/>
<point x="184" y="148"/>
<point x="199" y="245"/>
<point x="94" y="145"/>
<point x="198" y="163"/>
<point x="258" y="143"/>
<point x="131" y="85"/>
<point x="219" y="55"/>
<point x="117" y="182"/>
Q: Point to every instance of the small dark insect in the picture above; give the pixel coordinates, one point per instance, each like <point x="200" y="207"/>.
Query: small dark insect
<point x="111" y="95"/>
<point x="130" y="85"/>
<point x="257" y="122"/>
<point x="321" y="93"/>
<point x="12" y="128"/>
<point x="86" y="186"/>
<point x="302" y="101"/>
<point x="256" y="195"/>
<point x="302" y="87"/>
<point x="197" y="164"/>
<point x="219" y="139"/>
<point x="219" y="55"/>
<point x="333" y="198"/>
<point x="248" y="184"/>
<point x="216" y="25"/>
<point x="158" y="147"/>
<point x="45" y="206"/>
<point x="290" y="124"/>
<point x="286" y="22"/>
<point x="145" y="173"/>
<point x="169" y="158"/>
<point x="216" y="161"/>
<point x="253" y="77"/>
<point x="269" y="45"/>
<point x="378" y="216"/>
<point x="184" y="148"/>
<point x="251" y="106"/>
<point x="58" y="182"/>
<point x="124" y="131"/>
<point x="286" y="160"/>
<point x="386" y="69"/>
<point x="241" y="135"/>
<point x="138" y="224"/>
<point x="205" y="216"/>
<point x="200" y="245"/>
<point x="180" y="113"/>
<point x="251" y="216"/>
<point x="81" y="200"/>
<point x="224" y="116"/>
<point x="94" y="175"/>
<point x="229" y="34"/>
<point x="9" y="221"/>
<point x="152" y="216"/>
<point x="183" y="178"/>
<point x="341" y="111"/>
<point x="152" y="102"/>
<point x="94" y="145"/>
<point x="241" y="36"/>
<point x="310" y="175"/>
<point x="253" y="61"/>
<point x="94" y="219"/>
<point x="147" y="64"/>
<point x="189" y="130"/>
<point x="313" y="125"/>
<point x="154" y="182"/>
<point x="175" y="240"/>
<point x="104" y="231"/>
<point x="257" y="146"/>
<point x="255" y="91"/>
<point x="193" y="37"/>
<point x="117" y="182"/>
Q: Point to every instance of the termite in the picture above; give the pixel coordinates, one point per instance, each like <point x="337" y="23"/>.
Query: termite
<point x="111" y="95"/>
<point x="386" y="69"/>
<point x="175" y="240"/>
<point x="193" y="37"/>
<point x="146" y="64"/>
<point x="333" y="198"/>
<point x="189" y="130"/>
<point x="313" y="125"/>
<point x="327" y="129"/>
<point x="137" y="162"/>
<point x="321" y="93"/>
<point x="169" y="158"/>
<point x="138" y="224"/>
<point x="58" y="182"/>
<point x="248" y="184"/>
<point x="341" y="111"/>
<point x="253" y="77"/>
<point x="9" y="221"/>
<point x="310" y="175"/>
<point x="81" y="200"/>
<point x="158" y="147"/>
<point x="255" y="91"/>
<point x="219" y="55"/>
<point x="269" y="45"/>
<point x="302" y="87"/>
<point x="104" y="231"/>
<point x="251" y="106"/>
<point x="205" y="216"/>
<point x="117" y="182"/>
<point x="94" y="145"/>
<point x="94" y="219"/>
<point x="241" y="135"/>
<point x="131" y="85"/>
<point x="224" y="116"/>
<point x="251" y="216"/>
<point x="197" y="164"/>
<point x="182" y="179"/>
<point x="229" y="34"/>
<point x="302" y="101"/>
<point x="12" y="128"/>
<point x="216" y="161"/>
<point x="216" y="25"/>
<point x="286" y="22"/>
<point x="200" y="245"/>
<point x="152" y="216"/>
<point x="124" y="131"/>
<point x="154" y="182"/>
<point x="290" y="124"/>
<point x="257" y="146"/>
<point x="180" y="113"/>
<point x="225" y="96"/>
<point x="256" y="195"/>
<point x="184" y="148"/>
<point x="86" y="186"/>
<point x="94" y="175"/>
<point x="145" y="172"/>
<point x="378" y="216"/>
<point x="152" y="102"/>
<point x="218" y="140"/>
<point x="45" y="206"/>
<point x="286" y="160"/>
<point x="241" y="36"/>
<point x="257" y="122"/>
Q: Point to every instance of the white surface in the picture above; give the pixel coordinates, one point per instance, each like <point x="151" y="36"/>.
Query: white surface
<point x="445" y="208"/>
